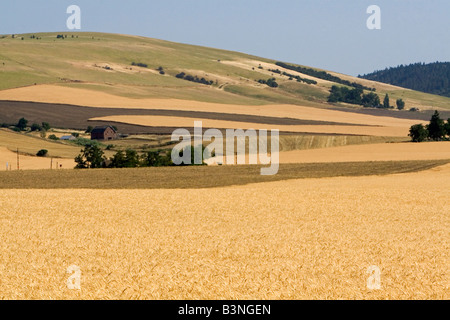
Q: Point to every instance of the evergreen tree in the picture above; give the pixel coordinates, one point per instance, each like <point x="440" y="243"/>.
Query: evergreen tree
<point x="400" y="104"/>
<point x="432" y="78"/>
<point x="22" y="124"/>
<point x="386" y="101"/>
<point x="436" y="128"/>
<point x="447" y="127"/>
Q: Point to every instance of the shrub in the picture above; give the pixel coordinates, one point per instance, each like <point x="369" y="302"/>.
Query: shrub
<point x="418" y="133"/>
<point x="139" y="64"/>
<point x="42" y="153"/>
<point x="270" y="82"/>
<point x="46" y="126"/>
<point x="191" y="78"/>
<point x="447" y="127"/>
<point x="53" y="137"/>
<point x="86" y="142"/>
<point x="180" y="75"/>
<point x="22" y="124"/>
<point x="400" y="104"/>
<point x="89" y="129"/>
<point x="36" y="127"/>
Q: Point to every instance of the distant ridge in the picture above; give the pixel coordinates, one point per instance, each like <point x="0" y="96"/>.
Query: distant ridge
<point x="431" y="78"/>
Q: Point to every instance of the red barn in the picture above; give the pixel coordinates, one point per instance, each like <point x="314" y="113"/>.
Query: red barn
<point x="103" y="133"/>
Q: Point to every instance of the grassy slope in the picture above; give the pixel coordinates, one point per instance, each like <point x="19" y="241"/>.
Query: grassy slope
<point x="31" y="145"/>
<point x="198" y="177"/>
<point x="51" y="60"/>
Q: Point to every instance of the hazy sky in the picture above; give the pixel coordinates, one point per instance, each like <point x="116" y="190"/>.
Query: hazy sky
<point x="328" y="34"/>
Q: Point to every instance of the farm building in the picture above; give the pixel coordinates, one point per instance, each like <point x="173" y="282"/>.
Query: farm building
<point x="103" y="133"/>
<point x="68" y="138"/>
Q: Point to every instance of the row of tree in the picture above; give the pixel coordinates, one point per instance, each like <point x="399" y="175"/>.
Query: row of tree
<point x="196" y="79"/>
<point x="436" y="130"/>
<point x="292" y="76"/>
<point x="22" y="125"/>
<point x="270" y="82"/>
<point x="139" y="64"/>
<point x="323" y="75"/>
<point x="92" y="157"/>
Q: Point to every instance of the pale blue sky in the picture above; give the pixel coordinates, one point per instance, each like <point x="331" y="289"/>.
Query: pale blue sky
<point x="328" y="34"/>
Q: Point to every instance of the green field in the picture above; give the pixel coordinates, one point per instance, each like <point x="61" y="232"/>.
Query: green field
<point x="75" y="62"/>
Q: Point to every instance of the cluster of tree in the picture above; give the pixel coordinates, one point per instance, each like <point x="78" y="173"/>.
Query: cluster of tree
<point x="291" y="76"/>
<point x="270" y="82"/>
<point x="196" y="79"/>
<point x="323" y="75"/>
<point x="431" y="78"/>
<point x="139" y="64"/>
<point x="22" y="125"/>
<point x="59" y="36"/>
<point x="92" y="156"/>
<point x="353" y="96"/>
<point x="37" y="38"/>
<point x="357" y="96"/>
<point x="436" y="130"/>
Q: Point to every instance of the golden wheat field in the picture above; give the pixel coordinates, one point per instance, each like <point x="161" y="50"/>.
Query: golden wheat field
<point x="26" y="162"/>
<point x="296" y="239"/>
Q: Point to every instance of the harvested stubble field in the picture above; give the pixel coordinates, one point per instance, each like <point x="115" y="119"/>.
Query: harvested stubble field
<point x="199" y="176"/>
<point x="296" y="239"/>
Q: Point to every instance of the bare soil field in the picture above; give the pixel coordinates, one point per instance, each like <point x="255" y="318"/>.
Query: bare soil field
<point x="180" y="122"/>
<point x="83" y="97"/>
<point x="79" y="117"/>
<point x="297" y="239"/>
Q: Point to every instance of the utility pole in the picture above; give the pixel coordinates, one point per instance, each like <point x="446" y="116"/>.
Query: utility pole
<point x="18" y="160"/>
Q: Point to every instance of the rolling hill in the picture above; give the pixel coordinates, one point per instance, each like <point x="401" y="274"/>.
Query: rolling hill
<point x="149" y="86"/>
<point x="138" y="67"/>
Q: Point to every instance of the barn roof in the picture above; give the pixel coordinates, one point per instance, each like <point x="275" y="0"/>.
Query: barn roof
<point x="71" y="137"/>
<point x="101" y="129"/>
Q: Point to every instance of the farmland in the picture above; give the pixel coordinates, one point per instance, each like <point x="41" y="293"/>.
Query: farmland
<point x="351" y="192"/>
<point x="313" y="242"/>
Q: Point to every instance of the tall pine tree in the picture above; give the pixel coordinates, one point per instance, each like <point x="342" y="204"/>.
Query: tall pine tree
<point x="386" y="101"/>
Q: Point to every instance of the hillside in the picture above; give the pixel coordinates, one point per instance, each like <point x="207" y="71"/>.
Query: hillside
<point x="138" y="67"/>
<point x="432" y="78"/>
